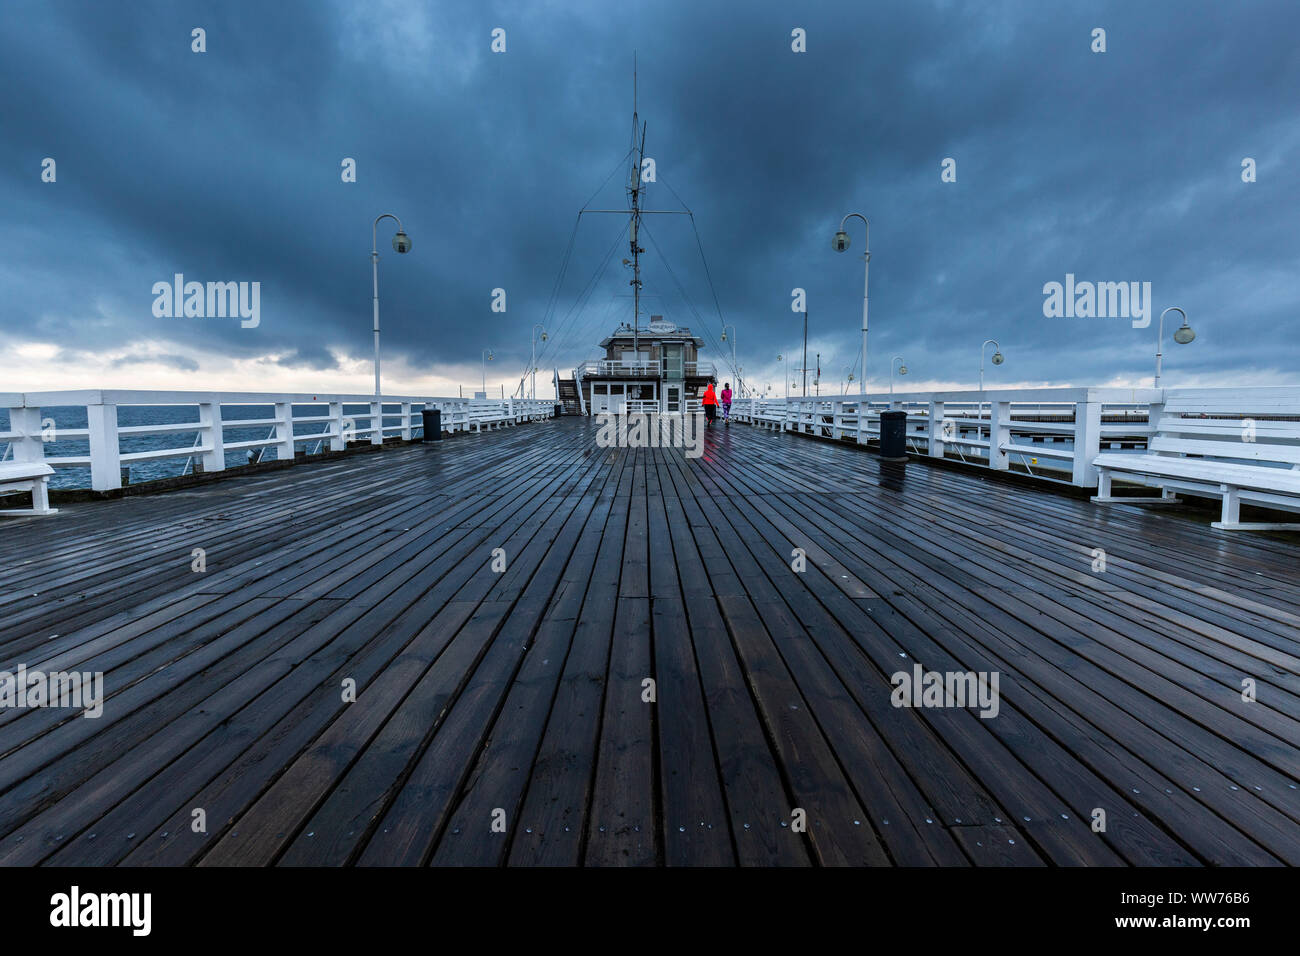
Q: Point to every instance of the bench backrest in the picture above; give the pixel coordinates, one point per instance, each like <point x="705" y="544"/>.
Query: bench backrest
<point x="1257" y="425"/>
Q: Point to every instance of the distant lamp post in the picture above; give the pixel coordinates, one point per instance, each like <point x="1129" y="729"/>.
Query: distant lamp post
<point x="733" y="351"/>
<point x="902" y="370"/>
<point x="840" y="244"/>
<point x="998" y="359"/>
<point x="487" y="357"/>
<point x="533" y="366"/>
<point x="784" y="375"/>
<point x="848" y="377"/>
<point x="401" y="244"/>
<point x="1182" y="335"/>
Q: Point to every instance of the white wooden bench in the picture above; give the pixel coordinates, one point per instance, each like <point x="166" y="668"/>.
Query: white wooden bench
<point x="1234" y="444"/>
<point x="490" y="417"/>
<point x="763" y="414"/>
<point x="27" y="476"/>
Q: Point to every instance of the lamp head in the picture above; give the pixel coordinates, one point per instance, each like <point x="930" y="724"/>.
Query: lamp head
<point x="902" y="370"/>
<point x="543" y="335"/>
<point x="841" y="241"/>
<point x="1184" y="334"/>
<point x="724" y="335"/>
<point x="402" y="242"/>
<point x="998" y="358"/>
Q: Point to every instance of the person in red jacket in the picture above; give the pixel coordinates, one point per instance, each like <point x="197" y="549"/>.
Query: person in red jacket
<point x="710" y="402"/>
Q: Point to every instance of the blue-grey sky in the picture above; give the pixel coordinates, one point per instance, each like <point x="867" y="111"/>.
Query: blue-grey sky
<point x="1123" y="165"/>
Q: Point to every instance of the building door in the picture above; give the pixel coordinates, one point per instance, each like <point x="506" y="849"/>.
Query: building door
<point x="672" y="398"/>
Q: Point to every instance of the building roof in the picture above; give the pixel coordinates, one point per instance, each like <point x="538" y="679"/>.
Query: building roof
<point x="657" y="331"/>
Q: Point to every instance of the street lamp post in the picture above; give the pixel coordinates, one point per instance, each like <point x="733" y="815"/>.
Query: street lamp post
<point x="1182" y="336"/>
<point x="998" y="359"/>
<point x="733" y="353"/>
<point x="840" y="244"/>
<point x="401" y="244"/>
<point x="784" y="375"/>
<point x="532" y="368"/>
<point x="848" y="377"/>
<point x="487" y="357"/>
<point x="902" y="370"/>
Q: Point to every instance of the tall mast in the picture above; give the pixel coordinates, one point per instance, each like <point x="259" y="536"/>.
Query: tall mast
<point x="634" y="193"/>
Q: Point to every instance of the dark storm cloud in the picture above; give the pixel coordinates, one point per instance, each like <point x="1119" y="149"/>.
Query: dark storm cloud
<point x="308" y="357"/>
<point x="224" y="166"/>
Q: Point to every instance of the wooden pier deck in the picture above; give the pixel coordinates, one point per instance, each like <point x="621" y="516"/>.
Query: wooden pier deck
<point x="499" y="716"/>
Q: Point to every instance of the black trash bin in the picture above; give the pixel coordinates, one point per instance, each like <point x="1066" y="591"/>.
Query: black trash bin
<point x="432" y="424"/>
<point x="559" y="410"/>
<point x="893" y="436"/>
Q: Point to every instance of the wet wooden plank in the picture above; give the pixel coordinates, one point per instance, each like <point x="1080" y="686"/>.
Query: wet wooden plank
<point x="521" y="691"/>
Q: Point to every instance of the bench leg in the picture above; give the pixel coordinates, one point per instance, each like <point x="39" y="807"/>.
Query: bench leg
<point x="1104" y="497"/>
<point x="1231" y="517"/>
<point x="1256" y="526"/>
<point x="41" y="498"/>
<point x="40" y="502"/>
<point x="1231" y="505"/>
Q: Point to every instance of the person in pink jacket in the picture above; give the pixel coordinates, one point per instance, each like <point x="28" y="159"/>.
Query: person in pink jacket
<point x="726" y="403"/>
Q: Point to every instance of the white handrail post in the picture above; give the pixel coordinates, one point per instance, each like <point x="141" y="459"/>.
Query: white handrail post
<point x="1087" y="442"/>
<point x="30" y="445"/>
<point x="999" y="434"/>
<point x="935" y="430"/>
<point x="105" y="452"/>
<point x="210" y="423"/>
<point x="284" y="431"/>
<point x="1155" y="411"/>
<point x="338" y="441"/>
<point x="406" y="421"/>
<point x="377" y="421"/>
<point x="862" y="419"/>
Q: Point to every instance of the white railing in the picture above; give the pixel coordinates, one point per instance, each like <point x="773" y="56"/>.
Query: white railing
<point x="607" y="367"/>
<point x="611" y="368"/>
<point x="198" y="426"/>
<point x="690" y="406"/>
<point x="1052" y="433"/>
